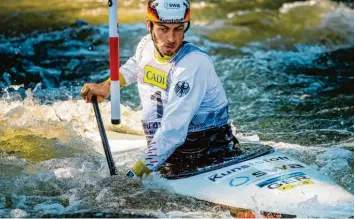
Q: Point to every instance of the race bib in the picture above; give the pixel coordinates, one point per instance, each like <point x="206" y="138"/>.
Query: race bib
<point x="155" y="77"/>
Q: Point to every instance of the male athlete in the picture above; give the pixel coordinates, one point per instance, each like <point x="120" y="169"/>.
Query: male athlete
<point x="185" y="108"/>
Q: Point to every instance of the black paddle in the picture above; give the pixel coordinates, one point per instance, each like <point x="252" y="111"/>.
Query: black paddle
<point x="110" y="162"/>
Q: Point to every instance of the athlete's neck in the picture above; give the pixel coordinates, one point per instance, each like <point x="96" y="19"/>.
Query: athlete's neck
<point x="163" y="58"/>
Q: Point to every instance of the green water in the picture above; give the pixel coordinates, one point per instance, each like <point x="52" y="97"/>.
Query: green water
<point x="33" y="147"/>
<point x="259" y="21"/>
<point x="22" y="16"/>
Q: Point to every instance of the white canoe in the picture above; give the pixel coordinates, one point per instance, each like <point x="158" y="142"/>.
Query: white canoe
<point x="274" y="185"/>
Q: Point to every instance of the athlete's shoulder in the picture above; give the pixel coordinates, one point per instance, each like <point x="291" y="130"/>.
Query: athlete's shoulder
<point x="192" y="61"/>
<point x="190" y="47"/>
<point x="142" y="43"/>
<point x="192" y="53"/>
<point x="146" y="39"/>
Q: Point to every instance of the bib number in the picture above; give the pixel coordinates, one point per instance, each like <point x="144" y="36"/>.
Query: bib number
<point x="157" y="96"/>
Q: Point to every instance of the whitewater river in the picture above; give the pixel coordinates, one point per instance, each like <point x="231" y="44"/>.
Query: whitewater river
<point x="288" y="75"/>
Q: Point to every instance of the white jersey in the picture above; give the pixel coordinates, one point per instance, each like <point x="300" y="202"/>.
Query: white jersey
<point x="180" y="96"/>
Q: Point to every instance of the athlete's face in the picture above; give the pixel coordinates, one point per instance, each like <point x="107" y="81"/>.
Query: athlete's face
<point x="168" y="37"/>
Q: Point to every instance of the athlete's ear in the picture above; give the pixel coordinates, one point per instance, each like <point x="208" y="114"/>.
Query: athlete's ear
<point x="149" y="25"/>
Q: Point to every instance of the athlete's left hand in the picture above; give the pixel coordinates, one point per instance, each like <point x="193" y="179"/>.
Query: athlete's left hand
<point x="139" y="169"/>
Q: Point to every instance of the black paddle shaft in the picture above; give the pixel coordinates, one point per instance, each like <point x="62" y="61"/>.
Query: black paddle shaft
<point x="110" y="162"/>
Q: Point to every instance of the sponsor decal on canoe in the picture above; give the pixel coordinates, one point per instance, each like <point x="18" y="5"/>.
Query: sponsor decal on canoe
<point x="257" y="176"/>
<point x="290" y="183"/>
<point x="279" y="178"/>
<point x="276" y="169"/>
<point x="221" y="175"/>
<point x="238" y="181"/>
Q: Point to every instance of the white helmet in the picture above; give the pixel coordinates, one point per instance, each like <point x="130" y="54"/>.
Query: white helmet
<point x="168" y="11"/>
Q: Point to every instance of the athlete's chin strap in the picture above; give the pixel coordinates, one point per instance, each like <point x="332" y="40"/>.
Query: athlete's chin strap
<point x="152" y="35"/>
<point x="186" y="27"/>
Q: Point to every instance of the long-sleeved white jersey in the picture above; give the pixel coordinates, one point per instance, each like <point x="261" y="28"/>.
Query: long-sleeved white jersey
<point x="178" y="97"/>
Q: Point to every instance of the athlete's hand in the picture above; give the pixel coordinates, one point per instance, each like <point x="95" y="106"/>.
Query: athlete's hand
<point x="100" y="90"/>
<point x="139" y="169"/>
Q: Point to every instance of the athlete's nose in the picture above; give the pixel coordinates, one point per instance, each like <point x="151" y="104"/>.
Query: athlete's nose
<point x="171" y="37"/>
